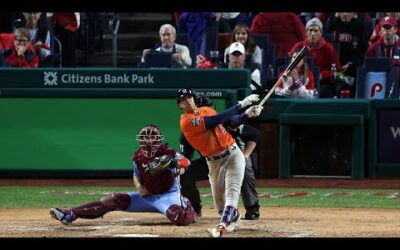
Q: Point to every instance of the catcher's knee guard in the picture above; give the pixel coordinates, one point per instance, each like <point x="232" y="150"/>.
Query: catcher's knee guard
<point x="181" y="216"/>
<point x="116" y="201"/>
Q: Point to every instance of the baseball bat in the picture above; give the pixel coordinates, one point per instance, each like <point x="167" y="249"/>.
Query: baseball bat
<point x="289" y="68"/>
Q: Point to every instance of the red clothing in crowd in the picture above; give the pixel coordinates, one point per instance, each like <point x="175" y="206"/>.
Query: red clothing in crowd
<point x="11" y="58"/>
<point x="323" y="54"/>
<point x="379" y="49"/>
<point x="377" y="31"/>
<point x="284" y="29"/>
<point x="67" y="20"/>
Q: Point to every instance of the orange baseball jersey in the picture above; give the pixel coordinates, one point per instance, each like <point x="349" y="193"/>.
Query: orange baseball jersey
<point x="207" y="141"/>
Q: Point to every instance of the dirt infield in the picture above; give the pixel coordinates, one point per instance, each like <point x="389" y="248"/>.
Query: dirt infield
<point x="274" y="222"/>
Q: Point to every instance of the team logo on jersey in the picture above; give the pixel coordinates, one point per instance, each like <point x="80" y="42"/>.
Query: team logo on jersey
<point x="195" y="121"/>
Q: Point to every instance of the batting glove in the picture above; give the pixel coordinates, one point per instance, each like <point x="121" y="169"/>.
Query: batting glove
<point x="249" y="100"/>
<point x="254" y="111"/>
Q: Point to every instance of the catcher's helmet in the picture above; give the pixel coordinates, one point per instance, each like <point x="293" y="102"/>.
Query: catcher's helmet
<point x="184" y="92"/>
<point x="149" y="139"/>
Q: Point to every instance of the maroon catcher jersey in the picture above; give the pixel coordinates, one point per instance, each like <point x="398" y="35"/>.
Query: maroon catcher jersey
<point x="156" y="184"/>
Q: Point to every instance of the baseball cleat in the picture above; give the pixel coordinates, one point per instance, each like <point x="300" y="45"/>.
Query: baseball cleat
<point x="217" y="232"/>
<point x="58" y="214"/>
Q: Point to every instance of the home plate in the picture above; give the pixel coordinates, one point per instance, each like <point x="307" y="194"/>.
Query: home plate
<point x="136" y="235"/>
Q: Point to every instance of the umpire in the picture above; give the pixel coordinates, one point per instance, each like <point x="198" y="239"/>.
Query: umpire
<point x="246" y="138"/>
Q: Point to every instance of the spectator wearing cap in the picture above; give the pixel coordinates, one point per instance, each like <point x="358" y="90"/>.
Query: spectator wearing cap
<point x="241" y="33"/>
<point x="237" y="55"/>
<point x="323" y="54"/>
<point x="378" y="27"/>
<point x="237" y="58"/>
<point x="389" y="43"/>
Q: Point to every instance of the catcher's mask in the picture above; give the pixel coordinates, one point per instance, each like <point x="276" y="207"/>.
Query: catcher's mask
<point x="150" y="140"/>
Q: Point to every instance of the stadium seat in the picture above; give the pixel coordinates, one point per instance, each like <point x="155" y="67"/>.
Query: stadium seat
<point x="211" y="42"/>
<point x="268" y="74"/>
<point x="224" y="40"/>
<point x="1" y="58"/>
<point x="377" y="79"/>
<point x="261" y="40"/>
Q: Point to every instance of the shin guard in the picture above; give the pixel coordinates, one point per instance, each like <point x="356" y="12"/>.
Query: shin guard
<point x="96" y="209"/>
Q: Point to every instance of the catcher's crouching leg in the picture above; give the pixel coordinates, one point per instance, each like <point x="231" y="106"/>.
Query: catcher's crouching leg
<point x="182" y="216"/>
<point x="115" y="201"/>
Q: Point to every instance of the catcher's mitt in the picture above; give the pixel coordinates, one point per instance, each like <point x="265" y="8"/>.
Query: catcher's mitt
<point x="160" y="164"/>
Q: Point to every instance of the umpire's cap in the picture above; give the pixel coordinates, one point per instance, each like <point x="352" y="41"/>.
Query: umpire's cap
<point x="184" y="92"/>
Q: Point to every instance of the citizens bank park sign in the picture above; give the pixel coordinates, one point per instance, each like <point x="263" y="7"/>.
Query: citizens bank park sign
<point x="54" y="78"/>
<point x="123" y="78"/>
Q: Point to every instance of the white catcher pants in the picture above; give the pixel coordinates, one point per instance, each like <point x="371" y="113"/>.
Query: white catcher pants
<point x="226" y="177"/>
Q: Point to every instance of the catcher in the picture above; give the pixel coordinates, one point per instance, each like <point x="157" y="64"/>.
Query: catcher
<point x="156" y="171"/>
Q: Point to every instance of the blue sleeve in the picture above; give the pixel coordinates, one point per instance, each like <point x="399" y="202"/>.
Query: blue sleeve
<point x="136" y="171"/>
<point x="237" y="120"/>
<point x="213" y="121"/>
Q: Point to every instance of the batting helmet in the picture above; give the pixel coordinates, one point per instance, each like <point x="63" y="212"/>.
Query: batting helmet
<point x="184" y="92"/>
<point x="149" y="139"/>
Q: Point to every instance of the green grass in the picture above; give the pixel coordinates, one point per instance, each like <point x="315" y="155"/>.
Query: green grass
<point x="45" y="197"/>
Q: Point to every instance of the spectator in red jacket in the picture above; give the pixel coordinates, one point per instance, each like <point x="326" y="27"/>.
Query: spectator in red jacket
<point x="18" y="51"/>
<point x="388" y="44"/>
<point x="378" y="27"/>
<point x="323" y="55"/>
<point x="284" y="29"/>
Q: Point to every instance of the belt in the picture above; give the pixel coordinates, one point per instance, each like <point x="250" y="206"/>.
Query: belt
<point x="221" y="155"/>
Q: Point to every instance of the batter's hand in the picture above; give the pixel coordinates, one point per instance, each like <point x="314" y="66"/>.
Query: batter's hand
<point x="254" y="111"/>
<point x="249" y="100"/>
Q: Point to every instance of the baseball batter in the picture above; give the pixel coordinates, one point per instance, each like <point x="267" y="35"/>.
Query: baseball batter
<point x="156" y="170"/>
<point x="203" y="129"/>
<point x="246" y="138"/>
